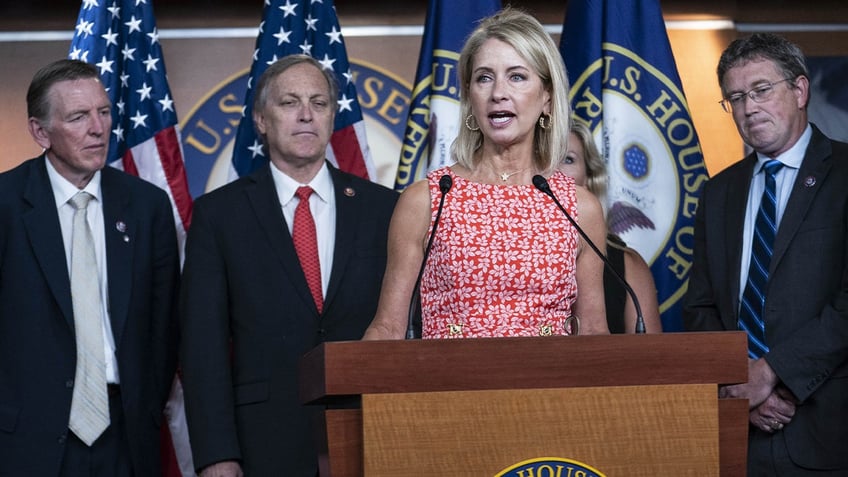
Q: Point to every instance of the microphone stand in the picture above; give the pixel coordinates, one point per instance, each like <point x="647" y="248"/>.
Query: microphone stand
<point x="542" y="184"/>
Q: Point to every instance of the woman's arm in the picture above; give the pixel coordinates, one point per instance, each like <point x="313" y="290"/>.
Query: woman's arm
<point x="407" y="237"/>
<point x="640" y="279"/>
<point x="590" y="268"/>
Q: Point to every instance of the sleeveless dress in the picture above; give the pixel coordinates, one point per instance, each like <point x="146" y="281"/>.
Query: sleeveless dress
<point x="503" y="260"/>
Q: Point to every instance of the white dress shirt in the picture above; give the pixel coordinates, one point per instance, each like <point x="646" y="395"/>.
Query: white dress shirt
<point x="63" y="190"/>
<point x="322" y="204"/>
<point x="784" y="181"/>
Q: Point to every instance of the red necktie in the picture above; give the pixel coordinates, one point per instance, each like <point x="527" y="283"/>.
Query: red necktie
<point x="306" y="245"/>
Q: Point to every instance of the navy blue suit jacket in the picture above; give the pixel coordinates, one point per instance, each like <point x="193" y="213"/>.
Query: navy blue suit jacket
<point x="37" y="347"/>
<point x="247" y="317"/>
<point x="806" y="308"/>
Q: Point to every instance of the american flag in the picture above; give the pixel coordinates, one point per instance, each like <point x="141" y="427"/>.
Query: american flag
<point x="121" y="39"/>
<point x="307" y="27"/>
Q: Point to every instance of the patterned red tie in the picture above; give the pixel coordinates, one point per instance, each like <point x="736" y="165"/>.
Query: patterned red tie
<point x="306" y="245"/>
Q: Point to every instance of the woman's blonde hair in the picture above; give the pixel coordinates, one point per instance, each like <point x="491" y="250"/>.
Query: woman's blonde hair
<point x="527" y="36"/>
<point x="596" y="169"/>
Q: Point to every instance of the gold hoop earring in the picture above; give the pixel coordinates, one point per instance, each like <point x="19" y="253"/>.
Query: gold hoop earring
<point x="542" y="123"/>
<point x="468" y="123"/>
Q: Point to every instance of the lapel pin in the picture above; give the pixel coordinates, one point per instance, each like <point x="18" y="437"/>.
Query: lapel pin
<point x="809" y="181"/>
<point x="121" y="226"/>
<point x="348" y="191"/>
<point x="126" y="238"/>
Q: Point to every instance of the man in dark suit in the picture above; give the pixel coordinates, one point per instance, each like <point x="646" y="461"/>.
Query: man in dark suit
<point x="793" y="301"/>
<point x="133" y="273"/>
<point x="251" y="306"/>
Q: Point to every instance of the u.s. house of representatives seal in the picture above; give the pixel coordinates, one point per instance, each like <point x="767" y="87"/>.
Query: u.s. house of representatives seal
<point x="641" y="123"/>
<point x="550" y="467"/>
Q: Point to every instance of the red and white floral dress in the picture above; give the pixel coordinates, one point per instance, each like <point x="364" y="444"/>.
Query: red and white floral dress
<point x="503" y="261"/>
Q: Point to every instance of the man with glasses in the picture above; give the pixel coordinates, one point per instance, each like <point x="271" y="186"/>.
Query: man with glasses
<point x="771" y="259"/>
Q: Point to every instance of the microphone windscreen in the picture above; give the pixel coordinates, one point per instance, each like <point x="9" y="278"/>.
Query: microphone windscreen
<point x="541" y="183"/>
<point x="445" y="183"/>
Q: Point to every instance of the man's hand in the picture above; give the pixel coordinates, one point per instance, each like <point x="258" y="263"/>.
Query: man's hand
<point x="775" y="412"/>
<point x="760" y="385"/>
<point x="227" y="468"/>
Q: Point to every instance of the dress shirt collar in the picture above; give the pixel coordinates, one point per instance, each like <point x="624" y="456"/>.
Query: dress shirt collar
<point x="322" y="184"/>
<point x="63" y="189"/>
<point x="792" y="157"/>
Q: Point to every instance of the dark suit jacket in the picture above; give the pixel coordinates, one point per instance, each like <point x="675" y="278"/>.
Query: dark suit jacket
<point x="247" y="317"/>
<point x="37" y="347"/>
<point x="806" y="309"/>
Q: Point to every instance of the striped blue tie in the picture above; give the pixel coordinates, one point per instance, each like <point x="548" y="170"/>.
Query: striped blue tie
<point x="754" y="297"/>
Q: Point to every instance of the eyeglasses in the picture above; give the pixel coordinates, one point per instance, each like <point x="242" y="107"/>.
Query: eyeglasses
<point x="758" y="94"/>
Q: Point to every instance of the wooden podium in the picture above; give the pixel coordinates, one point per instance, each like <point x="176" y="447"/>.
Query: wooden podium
<point x="621" y="404"/>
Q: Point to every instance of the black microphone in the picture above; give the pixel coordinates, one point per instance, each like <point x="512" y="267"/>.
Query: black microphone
<point x="542" y="184"/>
<point x="445" y="184"/>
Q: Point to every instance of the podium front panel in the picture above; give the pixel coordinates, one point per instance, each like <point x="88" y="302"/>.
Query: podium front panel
<point x="616" y="430"/>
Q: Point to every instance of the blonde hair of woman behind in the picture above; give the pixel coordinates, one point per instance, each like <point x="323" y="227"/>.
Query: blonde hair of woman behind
<point x="596" y="169"/>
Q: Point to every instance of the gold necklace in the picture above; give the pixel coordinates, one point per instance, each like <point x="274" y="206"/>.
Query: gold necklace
<point x="504" y="176"/>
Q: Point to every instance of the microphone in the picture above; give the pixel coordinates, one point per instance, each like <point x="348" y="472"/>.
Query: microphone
<point x="542" y="184"/>
<point x="445" y="184"/>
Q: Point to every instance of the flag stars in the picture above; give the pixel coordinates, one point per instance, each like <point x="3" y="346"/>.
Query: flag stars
<point x="256" y="149"/>
<point x="128" y="53"/>
<point x="144" y="92"/>
<point x="105" y="66"/>
<point x="139" y="120"/>
<point x="335" y="35"/>
<point x="134" y="25"/>
<point x="327" y="62"/>
<point x="114" y="10"/>
<point x="150" y="63"/>
<point x="154" y="36"/>
<point x="348" y="76"/>
<point x="84" y="28"/>
<point x="119" y="133"/>
<point x="167" y="103"/>
<point x="344" y="104"/>
<point x="75" y="53"/>
<point x="273" y="60"/>
<point x="125" y="80"/>
<point x="288" y="9"/>
<point x="282" y="36"/>
<point x="306" y="48"/>
<point x="111" y="38"/>
<point x="120" y="105"/>
<point x="310" y="23"/>
<point x="89" y="4"/>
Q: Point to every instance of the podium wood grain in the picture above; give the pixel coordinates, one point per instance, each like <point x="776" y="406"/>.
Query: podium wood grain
<point x="632" y="431"/>
<point x="334" y="372"/>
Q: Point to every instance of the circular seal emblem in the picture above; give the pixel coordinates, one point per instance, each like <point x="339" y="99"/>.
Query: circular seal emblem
<point x="209" y="130"/>
<point x="641" y="123"/>
<point x="433" y="120"/>
<point x="550" y="467"/>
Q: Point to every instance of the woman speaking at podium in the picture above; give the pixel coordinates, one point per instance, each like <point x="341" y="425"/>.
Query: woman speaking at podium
<point x="487" y="237"/>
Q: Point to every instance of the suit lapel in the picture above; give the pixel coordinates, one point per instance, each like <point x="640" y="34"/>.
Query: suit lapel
<point x="45" y="235"/>
<point x="814" y="169"/>
<point x="347" y="218"/>
<point x="120" y="228"/>
<point x="266" y="205"/>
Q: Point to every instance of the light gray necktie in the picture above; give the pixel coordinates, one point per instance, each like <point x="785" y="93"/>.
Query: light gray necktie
<point x="90" y="402"/>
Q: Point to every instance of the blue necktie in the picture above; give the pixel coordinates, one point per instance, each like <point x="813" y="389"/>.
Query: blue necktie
<point x="754" y="297"/>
